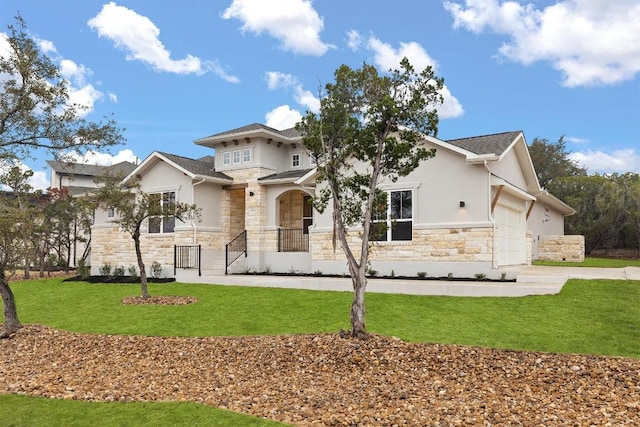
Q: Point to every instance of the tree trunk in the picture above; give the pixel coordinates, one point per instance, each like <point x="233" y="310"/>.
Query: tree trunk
<point x="141" y="267"/>
<point x="359" y="280"/>
<point x="11" y="322"/>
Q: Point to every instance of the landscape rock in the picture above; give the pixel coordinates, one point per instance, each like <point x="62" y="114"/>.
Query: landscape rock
<point x="328" y="380"/>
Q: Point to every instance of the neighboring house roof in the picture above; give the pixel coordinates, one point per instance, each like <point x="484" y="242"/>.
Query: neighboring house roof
<point x="203" y="168"/>
<point x="288" y="176"/>
<point x="290" y="135"/>
<point x="496" y="143"/>
<point x="83" y="169"/>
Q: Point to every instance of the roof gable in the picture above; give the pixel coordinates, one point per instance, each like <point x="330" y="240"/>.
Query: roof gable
<point x="496" y="143"/>
<point x="201" y="168"/>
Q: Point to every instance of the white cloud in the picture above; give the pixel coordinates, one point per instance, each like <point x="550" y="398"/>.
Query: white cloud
<point x="104" y="159"/>
<point x="282" y="117"/>
<point x="590" y="41"/>
<point x="39" y="180"/>
<point x="576" y="140"/>
<point x="294" y="22"/>
<point x="620" y="161"/>
<point x="307" y="99"/>
<point x="386" y="58"/>
<point x="354" y="40"/>
<point x="113" y="98"/>
<point x="276" y="79"/>
<point x="139" y="37"/>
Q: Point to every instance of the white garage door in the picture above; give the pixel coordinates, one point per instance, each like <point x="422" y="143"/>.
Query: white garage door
<point x="512" y="237"/>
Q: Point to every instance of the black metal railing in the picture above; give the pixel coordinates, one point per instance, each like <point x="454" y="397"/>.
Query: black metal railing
<point x="292" y="240"/>
<point x="234" y="249"/>
<point x="187" y="257"/>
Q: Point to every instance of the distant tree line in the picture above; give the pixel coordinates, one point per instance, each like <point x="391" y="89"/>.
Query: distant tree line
<point x="608" y="206"/>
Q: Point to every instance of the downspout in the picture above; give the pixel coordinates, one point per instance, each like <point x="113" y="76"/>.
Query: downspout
<point x="193" y="200"/>
<point x="494" y="263"/>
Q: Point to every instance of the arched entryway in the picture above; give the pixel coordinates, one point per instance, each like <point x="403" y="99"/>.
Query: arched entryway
<point x="295" y="216"/>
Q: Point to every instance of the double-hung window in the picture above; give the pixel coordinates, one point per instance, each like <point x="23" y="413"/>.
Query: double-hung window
<point x="295" y="160"/>
<point x="236" y="157"/>
<point x="163" y="203"/>
<point x="394" y="222"/>
<point x="246" y="155"/>
<point x="226" y="158"/>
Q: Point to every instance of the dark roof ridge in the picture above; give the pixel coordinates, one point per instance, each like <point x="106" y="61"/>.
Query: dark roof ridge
<point x="484" y="136"/>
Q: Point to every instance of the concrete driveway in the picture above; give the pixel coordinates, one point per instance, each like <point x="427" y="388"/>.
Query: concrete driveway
<point x="530" y="280"/>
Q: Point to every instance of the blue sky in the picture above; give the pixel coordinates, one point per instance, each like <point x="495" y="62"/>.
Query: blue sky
<point x="174" y="71"/>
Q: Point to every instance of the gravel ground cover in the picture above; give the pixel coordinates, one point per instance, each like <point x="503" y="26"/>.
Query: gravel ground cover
<point x="327" y="380"/>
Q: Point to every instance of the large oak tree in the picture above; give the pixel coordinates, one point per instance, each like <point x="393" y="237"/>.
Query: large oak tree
<point x="36" y="114"/>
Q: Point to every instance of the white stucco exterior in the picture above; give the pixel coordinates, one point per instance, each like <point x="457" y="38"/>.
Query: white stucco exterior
<point x="472" y="210"/>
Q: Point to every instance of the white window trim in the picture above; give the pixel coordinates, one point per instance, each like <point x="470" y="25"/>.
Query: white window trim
<point x="293" y="160"/>
<point x="390" y="220"/>
<point x="244" y="155"/>
<point x="239" y="159"/>
<point x="161" y="230"/>
<point x="226" y="158"/>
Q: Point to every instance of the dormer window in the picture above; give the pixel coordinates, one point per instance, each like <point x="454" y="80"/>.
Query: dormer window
<point x="246" y="155"/>
<point x="226" y="158"/>
<point x="295" y="160"/>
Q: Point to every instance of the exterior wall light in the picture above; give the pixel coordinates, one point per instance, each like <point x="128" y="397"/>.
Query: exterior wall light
<point x="250" y="193"/>
<point x="462" y="204"/>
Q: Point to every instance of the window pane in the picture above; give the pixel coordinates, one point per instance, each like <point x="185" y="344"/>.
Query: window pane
<point x="168" y="225"/>
<point x="307" y="207"/>
<point x="378" y="232"/>
<point x="236" y="156"/>
<point x="246" y="155"/>
<point x="295" y="160"/>
<point x="401" y="204"/>
<point x="154" y="225"/>
<point x="226" y="158"/>
<point x="306" y="223"/>
<point x="401" y="230"/>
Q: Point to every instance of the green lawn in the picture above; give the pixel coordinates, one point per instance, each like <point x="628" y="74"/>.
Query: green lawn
<point x="588" y="316"/>
<point x="36" y="411"/>
<point x="594" y="262"/>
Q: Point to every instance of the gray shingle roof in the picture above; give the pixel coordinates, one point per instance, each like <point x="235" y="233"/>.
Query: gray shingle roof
<point x="65" y="168"/>
<point x="486" y="144"/>
<point x="287" y="133"/>
<point x="285" y="175"/>
<point x="197" y="167"/>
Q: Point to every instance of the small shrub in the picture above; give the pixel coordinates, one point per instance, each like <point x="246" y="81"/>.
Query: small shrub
<point x="503" y="277"/>
<point x="118" y="272"/>
<point x="156" y="270"/>
<point x="293" y="270"/>
<point x="267" y="269"/>
<point x="105" y="269"/>
<point x="372" y="272"/>
<point x="480" y="276"/>
<point x="84" y="271"/>
<point x="133" y="272"/>
<point x="450" y="276"/>
<point x="317" y="273"/>
<point x="422" y="274"/>
<point x="393" y="273"/>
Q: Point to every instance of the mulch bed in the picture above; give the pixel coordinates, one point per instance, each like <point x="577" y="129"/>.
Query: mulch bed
<point x="327" y="380"/>
<point x="160" y="300"/>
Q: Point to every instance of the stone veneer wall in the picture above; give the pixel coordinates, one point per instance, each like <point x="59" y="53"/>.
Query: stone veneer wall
<point x="446" y="245"/>
<point x="561" y="248"/>
<point x="113" y="246"/>
<point x="291" y="209"/>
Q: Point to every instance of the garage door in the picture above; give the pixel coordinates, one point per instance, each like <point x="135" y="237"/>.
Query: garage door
<point x="512" y="237"/>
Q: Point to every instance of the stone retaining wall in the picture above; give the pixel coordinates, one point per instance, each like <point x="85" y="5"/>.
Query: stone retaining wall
<point x="561" y="248"/>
